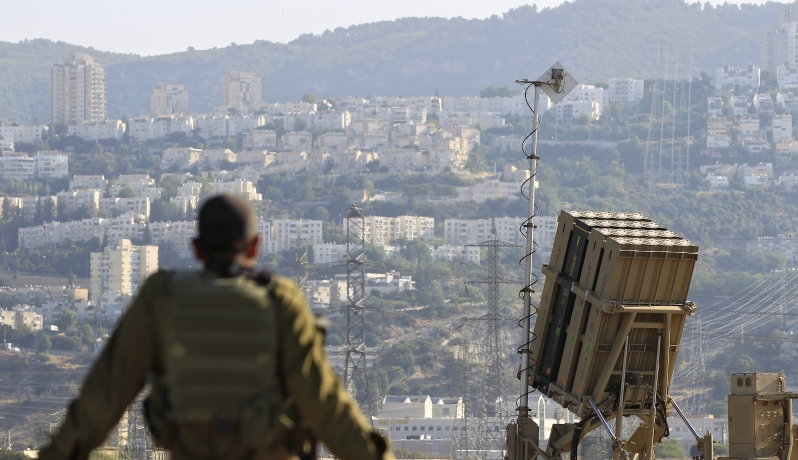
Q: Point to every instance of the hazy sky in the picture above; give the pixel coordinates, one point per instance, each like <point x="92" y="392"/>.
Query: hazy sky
<point x="162" y="26"/>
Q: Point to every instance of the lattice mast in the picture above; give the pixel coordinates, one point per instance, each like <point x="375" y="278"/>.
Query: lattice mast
<point x="493" y="414"/>
<point x="302" y="245"/>
<point x="460" y="428"/>
<point x="355" y="377"/>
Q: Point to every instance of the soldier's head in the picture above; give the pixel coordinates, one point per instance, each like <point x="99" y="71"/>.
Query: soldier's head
<point x="227" y="231"/>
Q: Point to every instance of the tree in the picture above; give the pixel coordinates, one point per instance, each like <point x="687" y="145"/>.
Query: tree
<point x="126" y="192"/>
<point x="67" y="321"/>
<point x="300" y="124"/>
<point x="43" y="348"/>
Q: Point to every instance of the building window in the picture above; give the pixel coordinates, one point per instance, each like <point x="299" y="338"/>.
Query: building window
<point x="398" y="428"/>
<point x="405" y="428"/>
<point x="422" y="428"/>
<point x="414" y="428"/>
<point x="447" y="428"/>
<point x="439" y="428"/>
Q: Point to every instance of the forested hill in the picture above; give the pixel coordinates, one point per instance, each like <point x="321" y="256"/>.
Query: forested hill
<point x="595" y="39"/>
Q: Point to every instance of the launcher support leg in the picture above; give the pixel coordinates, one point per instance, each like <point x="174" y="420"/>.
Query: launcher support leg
<point x="652" y="415"/>
<point x="619" y="412"/>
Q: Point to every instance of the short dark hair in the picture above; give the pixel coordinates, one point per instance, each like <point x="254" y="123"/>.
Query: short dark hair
<point x="226" y="225"/>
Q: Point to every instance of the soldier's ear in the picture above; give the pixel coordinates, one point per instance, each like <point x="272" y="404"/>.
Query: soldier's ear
<point x="252" y="249"/>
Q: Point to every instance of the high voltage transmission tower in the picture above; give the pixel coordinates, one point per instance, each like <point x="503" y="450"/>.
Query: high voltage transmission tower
<point x="302" y="245"/>
<point x="355" y="348"/>
<point x="493" y="416"/>
<point x="461" y="447"/>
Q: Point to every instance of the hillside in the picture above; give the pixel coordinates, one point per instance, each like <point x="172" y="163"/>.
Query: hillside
<point x="595" y="39"/>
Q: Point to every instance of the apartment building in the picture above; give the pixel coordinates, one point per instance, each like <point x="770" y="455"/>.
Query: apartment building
<point x="44" y="164"/>
<point x="242" y="91"/>
<point x="571" y="110"/>
<point x="782" y="128"/>
<point x="296" y="141"/>
<point x="121" y="269"/>
<point x="380" y="231"/>
<point x="177" y="235"/>
<point x="459" y="232"/>
<point x="715" y="106"/>
<point x="134" y="206"/>
<point x="52" y="234"/>
<point x="50" y="164"/>
<point x="20" y="134"/>
<point x="456" y="253"/>
<point x="80" y="181"/>
<point x="17" y="166"/>
<point x="22" y="316"/>
<point x="729" y="78"/>
<point x="97" y="129"/>
<point x="241" y="188"/>
<point x="489" y="190"/>
<point x="284" y="233"/>
<point x="326" y="253"/>
<point x="182" y="157"/>
<point x="168" y="99"/>
<point x="628" y="91"/>
<point x="785" y="244"/>
<point x="261" y="139"/>
<point x="77" y="85"/>
<point x="213" y="159"/>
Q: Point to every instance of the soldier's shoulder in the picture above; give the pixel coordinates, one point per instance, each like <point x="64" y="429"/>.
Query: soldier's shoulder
<point x="284" y="286"/>
<point x="161" y="278"/>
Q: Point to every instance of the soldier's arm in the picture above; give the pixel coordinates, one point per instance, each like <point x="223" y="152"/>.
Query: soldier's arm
<point x="113" y="381"/>
<point x="322" y="401"/>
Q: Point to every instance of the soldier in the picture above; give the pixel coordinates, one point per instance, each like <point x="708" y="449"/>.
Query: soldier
<point x="235" y="362"/>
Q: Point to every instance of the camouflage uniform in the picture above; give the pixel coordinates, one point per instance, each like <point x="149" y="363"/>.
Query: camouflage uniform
<point x="137" y="351"/>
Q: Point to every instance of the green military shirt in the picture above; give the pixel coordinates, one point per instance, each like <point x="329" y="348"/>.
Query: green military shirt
<point x="137" y="349"/>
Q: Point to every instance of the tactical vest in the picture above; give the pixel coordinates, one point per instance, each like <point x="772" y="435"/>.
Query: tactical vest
<point x="222" y="362"/>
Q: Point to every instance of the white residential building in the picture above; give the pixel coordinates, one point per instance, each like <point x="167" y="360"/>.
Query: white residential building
<point x="489" y="190"/>
<point x="326" y="253"/>
<point x="284" y="233"/>
<point x="456" y="253"/>
<point x="787" y="76"/>
<point x="782" y="127"/>
<point x="7" y="138"/>
<point x="88" y="182"/>
<point x="715" y="106"/>
<point x="261" y="139"/>
<point x="716" y="181"/>
<point x="241" y="188"/>
<point x="20" y="134"/>
<point x="77" y="90"/>
<point x="242" y="91"/>
<point x="786" y="245"/>
<point x="739" y="105"/>
<point x="168" y="99"/>
<point x="728" y="78"/>
<point x="629" y="91"/>
<point x="17" y="166"/>
<point x="177" y="235"/>
<point x="50" y="164"/>
<point x="380" y="231"/>
<point x="572" y="110"/>
<point x="459" y="232"/>
<point x="183" y="157"/>
<point x="97" y="129"/>
<point x="121" y="269"/>
<point x="764" y="103"/>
